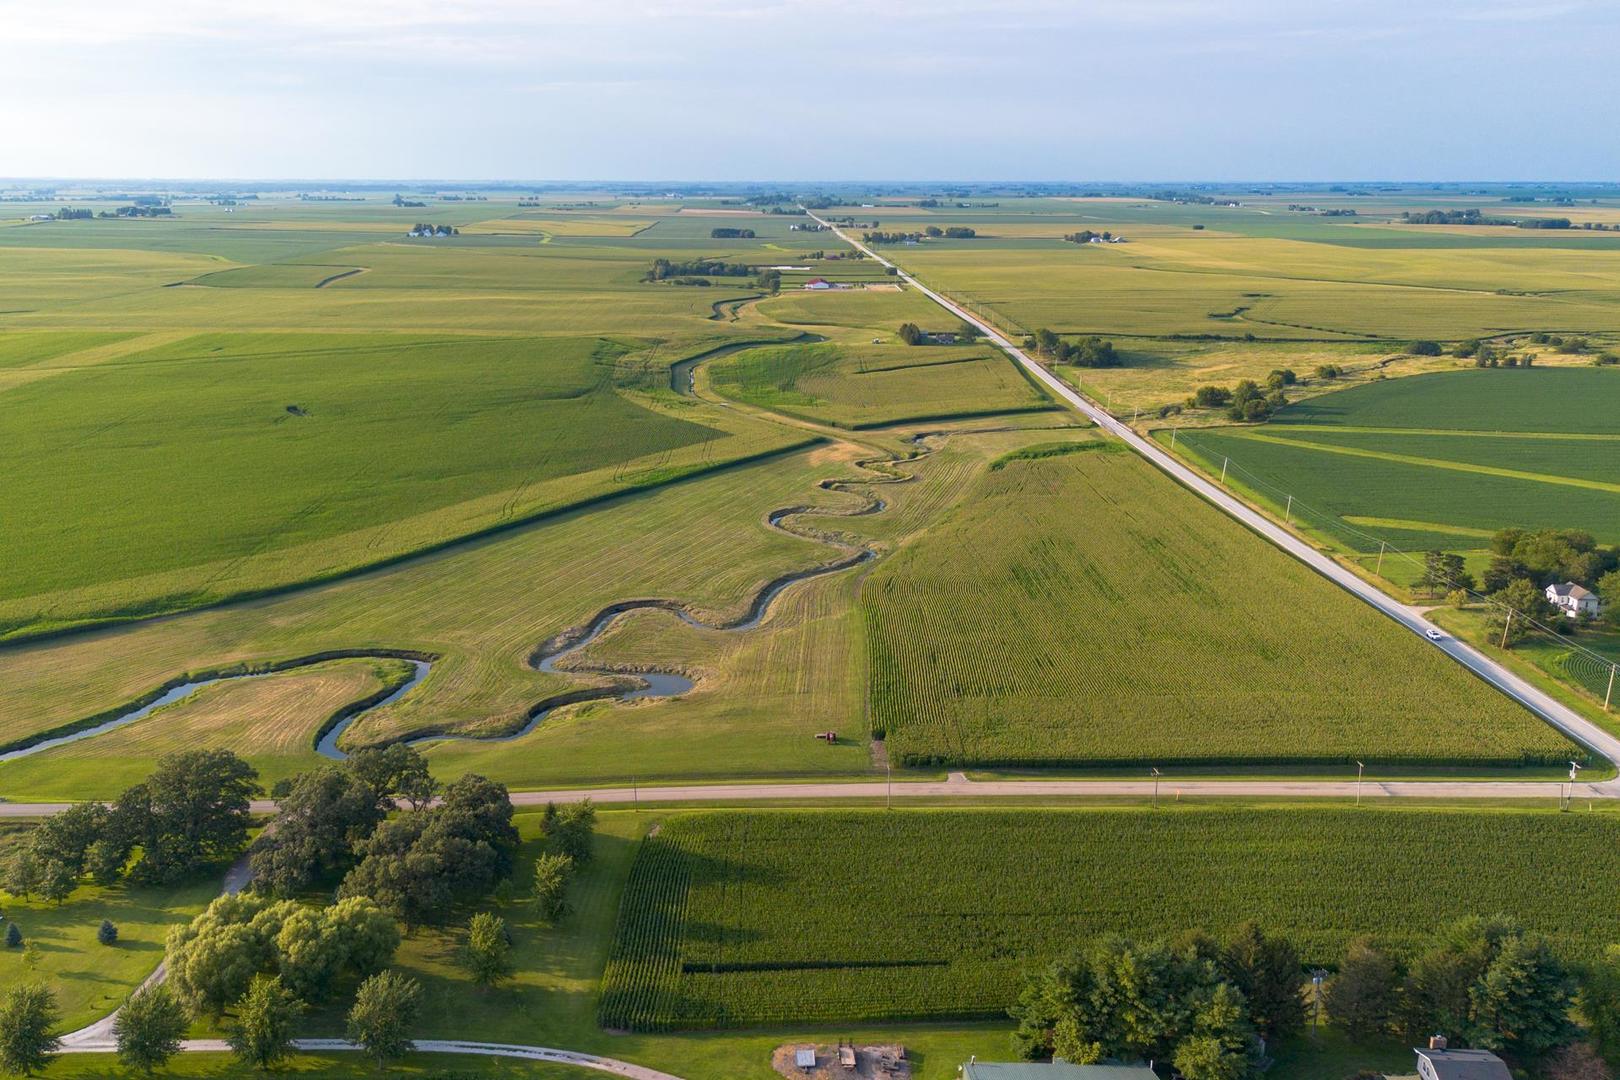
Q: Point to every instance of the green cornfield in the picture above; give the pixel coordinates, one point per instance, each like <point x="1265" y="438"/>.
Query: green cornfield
<point x="1085" y="610"/>
<point x="734" y="919"/>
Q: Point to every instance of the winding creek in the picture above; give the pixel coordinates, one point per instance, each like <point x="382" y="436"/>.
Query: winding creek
<point x="628" y="685"/>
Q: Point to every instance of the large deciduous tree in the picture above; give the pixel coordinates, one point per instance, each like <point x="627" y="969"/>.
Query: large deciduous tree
<point x="385" y="1010"/>
<point x="149" y="1028"/>
<point x="27" y="1015"/>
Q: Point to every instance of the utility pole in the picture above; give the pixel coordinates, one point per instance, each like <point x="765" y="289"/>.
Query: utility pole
<point x="1610" y="692"/>
<point x="1156" y="789"/>
<point x="888" y="786"/>
<point x="1359" y="769"/>
<point x="1224" y="463"/>
<point x="1288" y="517"/>
<point x="1380" y="571"/>
<point x="1173" y="437"/>
<point x="1505" y="624"/>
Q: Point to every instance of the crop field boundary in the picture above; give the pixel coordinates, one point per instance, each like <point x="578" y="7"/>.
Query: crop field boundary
<point x="1264" y="494"/>
<point x="623" y="679"/>
<point x="1555" y="712"/>
<point x="643" y="487"/>
<point x="1427" y="463"/>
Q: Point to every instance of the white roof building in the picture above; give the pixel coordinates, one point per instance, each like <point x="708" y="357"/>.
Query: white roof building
<point x="1573" y="599"/>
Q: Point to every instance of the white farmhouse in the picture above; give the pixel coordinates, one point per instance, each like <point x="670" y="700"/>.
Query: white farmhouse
<point x="1572" y="599"/>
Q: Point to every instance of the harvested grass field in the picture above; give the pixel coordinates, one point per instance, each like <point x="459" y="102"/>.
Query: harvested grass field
<point x="739" y="919"/>
<point x="860" y="386"/>
<point x="1440" y="460"/>
<point x="1085" y="610"/>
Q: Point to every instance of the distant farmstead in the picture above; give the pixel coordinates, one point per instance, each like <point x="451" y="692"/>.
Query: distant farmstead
<point x="818" y="283"/>
<point x="1572" y="599"/>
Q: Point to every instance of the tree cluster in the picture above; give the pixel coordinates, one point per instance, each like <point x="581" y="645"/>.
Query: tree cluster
<point x="663" y="269"/>
<point x="876" y="237"/>
<point x="1483" y="983"/>
<point x="191" y="813"/>
<point x="1086" y="236"/>
<point x="1524" y="562"/>
<point x="1088" y="352"/>
<point x="1549" y="555"/>
<point x="1208" y="1007"/>
<point x="419" y="865"/>
<point x="213" y="959"/>
<point x="728" y="233"/>
<point x="950" y="232"/>
<point x="1199" y="1004"/>
<point x="1246" y="400"/>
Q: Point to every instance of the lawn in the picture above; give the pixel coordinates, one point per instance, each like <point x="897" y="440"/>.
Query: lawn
<point x="89" y="978"/>
<point x="1085" y="610"/>
<point x="735" y="919"/>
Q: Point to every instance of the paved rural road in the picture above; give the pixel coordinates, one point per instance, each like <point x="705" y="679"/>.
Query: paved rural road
<point x="1557" y="714"/>
<point x="1560" y="716"/>
<point x="424" y="1046"/>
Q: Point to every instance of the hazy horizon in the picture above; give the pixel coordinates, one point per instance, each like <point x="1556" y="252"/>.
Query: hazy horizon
<point x="1029" y="90"/>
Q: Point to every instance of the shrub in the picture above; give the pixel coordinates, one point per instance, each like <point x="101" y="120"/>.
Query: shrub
<point x="13" y="937"/>
<point x="107" y="933"/>
<point x="1424" y="348"/>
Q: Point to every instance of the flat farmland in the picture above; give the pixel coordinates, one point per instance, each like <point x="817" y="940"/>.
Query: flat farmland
<point x="342" y="449"/>
<point x="1440" y="460"/>
<point x="729" y="920"/>
<point x="868" y="385"/>
<point x="1251" y="279"/>
<point x="483" y="608"/>
<point x="1083" y="610"/>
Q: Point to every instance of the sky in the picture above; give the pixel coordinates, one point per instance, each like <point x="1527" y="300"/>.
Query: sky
<point x="1083" y="90"/>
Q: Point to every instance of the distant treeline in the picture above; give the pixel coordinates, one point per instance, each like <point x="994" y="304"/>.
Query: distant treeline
<point x="731" y="234"/>
<point x="932" y="232"/>
<point x="1474" y="217"/>
<point x="663" y="268"/>
<point x="1086" y="236"/>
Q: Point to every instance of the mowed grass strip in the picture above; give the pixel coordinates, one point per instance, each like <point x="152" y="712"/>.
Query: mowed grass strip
<point x="1086" y="610"/>
<point x="736" y="919"/>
